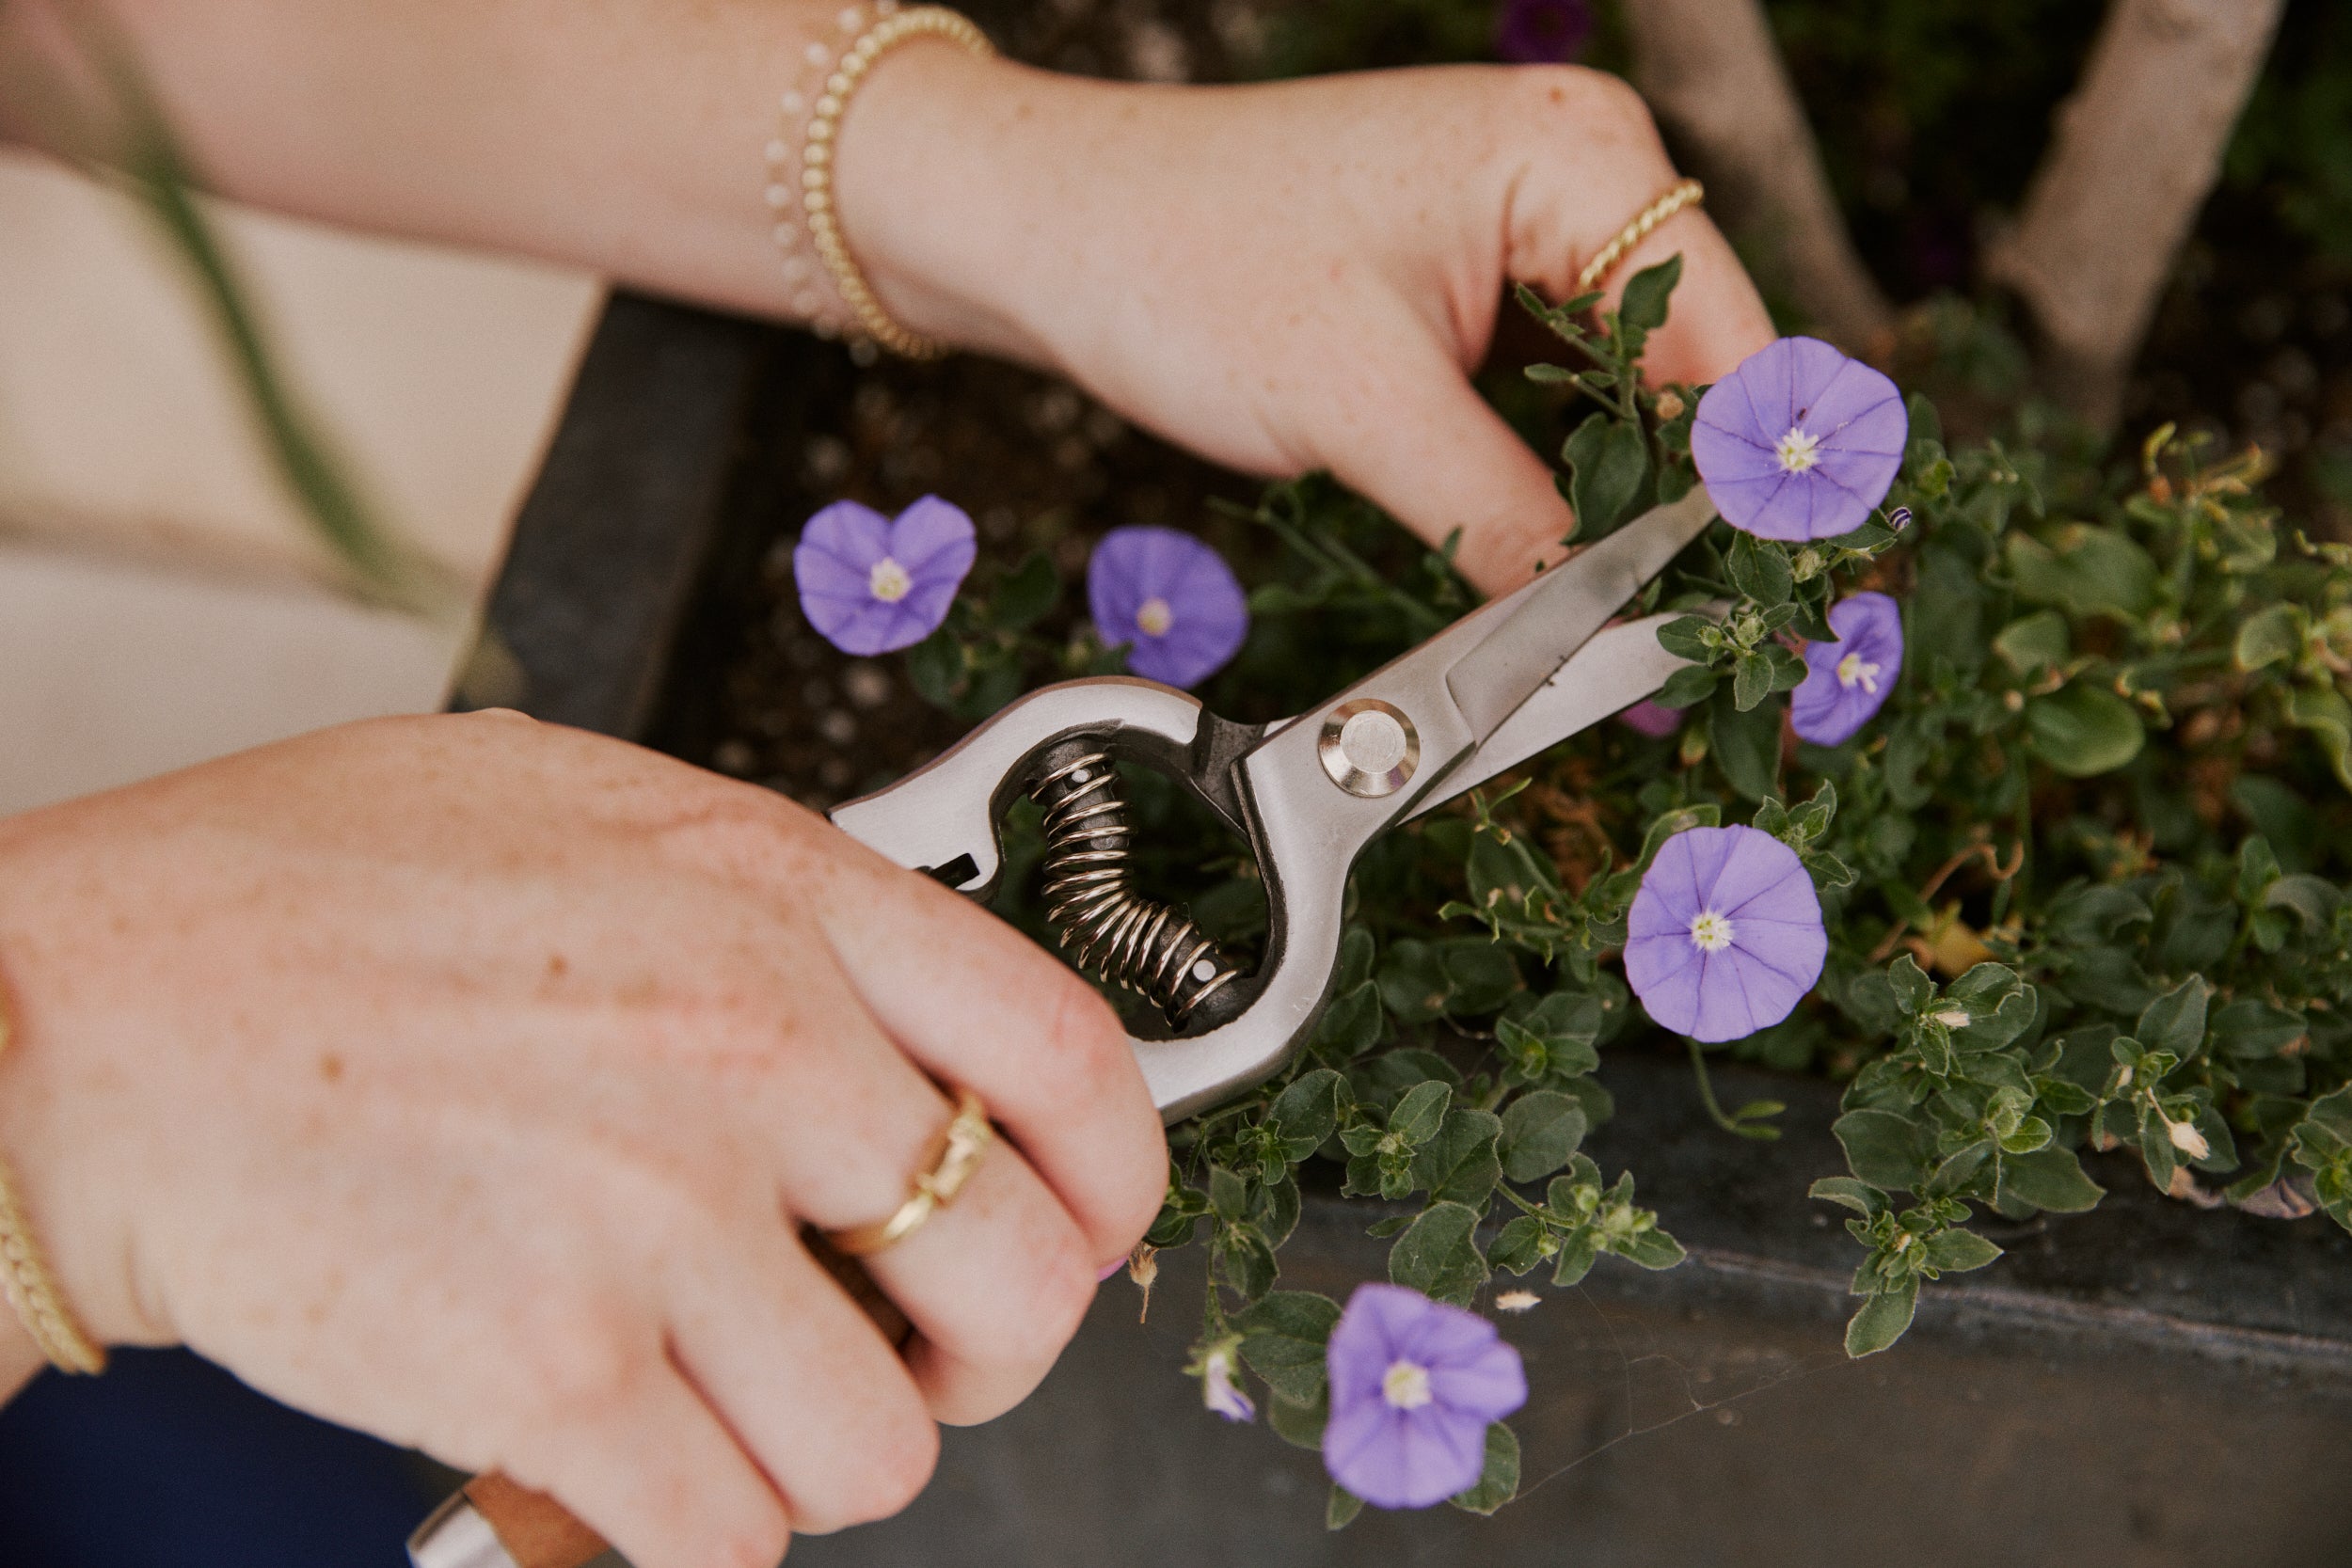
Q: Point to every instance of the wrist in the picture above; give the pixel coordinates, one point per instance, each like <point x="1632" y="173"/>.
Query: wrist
<point x="930" y="180"/>
<point x="41" y="1156"/>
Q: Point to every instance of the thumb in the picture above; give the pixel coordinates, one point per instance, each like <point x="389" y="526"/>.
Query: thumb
<point x="1418" y="440"/>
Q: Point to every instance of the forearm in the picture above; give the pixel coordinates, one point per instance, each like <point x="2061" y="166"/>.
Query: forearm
<point x="625" y="138"/>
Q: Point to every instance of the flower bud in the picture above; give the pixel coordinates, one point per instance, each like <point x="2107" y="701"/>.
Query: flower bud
<point x="2187" y="1139"/>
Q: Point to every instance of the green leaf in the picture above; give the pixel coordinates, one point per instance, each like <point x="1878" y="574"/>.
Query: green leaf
<point x="2051" y="1179"/>
<point x="1284" y="1338"/>
<point x="1541" y="1130"/>
<point x="1643" y="305"/>
<point x="2270" y="636"/>
<point x="1340" y="1510"/>
<point x="1024" y="595"/>
<point x="1304" y="1114"/>
<point x="2175" y="1021"/>
<point x="1882" y="1148"/>
<point x="1652" y="1249"/>
<point x="1518" y="1245"/>
<point x="1687" y="687"/>
<point x="1913" y="991"/>
<point x="1957" y="1251"/>
<point x="1608" y="459"/>
<point x="935" y="667"/>
<point x="2322" y="711"/>
<point x="1421" y="1112"/>
<point x="1413" y="983"/>
<point x="1228" y="1196"/>
<point x="1351" y="1025"/>
<point x="1498" y="1483"/>
<point x="1687" y="637"/>
<point x="1299" y="1425"/>
<point x="1860" y="1196"/>
<point x="1760" y="570"/>
<point x="1460" y="1165"/>
<point x="1745" y="743"/>
<point x="2092" y="571"/>
<point x="2038" y="642"/>
<point x="2082" y="730"/>
<point x="1437" y="1255"/>
<point x="1882" y="1320"/>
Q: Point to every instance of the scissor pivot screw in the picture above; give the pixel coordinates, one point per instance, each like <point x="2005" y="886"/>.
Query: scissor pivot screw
<point x="1368" y="748"/>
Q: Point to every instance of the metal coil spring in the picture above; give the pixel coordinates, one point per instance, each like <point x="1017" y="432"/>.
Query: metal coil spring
<point x="1090" y="898"/>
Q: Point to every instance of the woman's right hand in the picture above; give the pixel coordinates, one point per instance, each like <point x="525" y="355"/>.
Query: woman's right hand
<point x="465" y="1079"/>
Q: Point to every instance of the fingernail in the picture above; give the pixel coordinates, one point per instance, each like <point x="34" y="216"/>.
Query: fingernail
<point x="1110" y="1270"/>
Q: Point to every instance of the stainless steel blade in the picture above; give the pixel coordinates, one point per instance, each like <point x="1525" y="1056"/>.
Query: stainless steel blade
<point x="1554" y="615"/>
<point x="1616" y="668"/>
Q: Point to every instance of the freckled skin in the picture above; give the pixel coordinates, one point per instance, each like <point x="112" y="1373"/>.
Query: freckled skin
<point x="462" y="1079"/>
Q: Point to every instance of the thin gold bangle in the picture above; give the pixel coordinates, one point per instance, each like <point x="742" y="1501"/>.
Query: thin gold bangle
<point x="824" y="134"/>
<point x="27" y="1281"/>
<point x="1685" y="193"/>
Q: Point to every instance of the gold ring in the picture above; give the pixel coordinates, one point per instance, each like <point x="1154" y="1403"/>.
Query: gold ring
<point x="959" y="1150"/>
<point x="1683" y="193"/>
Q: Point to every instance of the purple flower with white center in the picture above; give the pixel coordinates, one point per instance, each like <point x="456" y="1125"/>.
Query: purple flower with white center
<point x="1414" y="1385"/>
<point x="1726" y="934"/>
<point x="871" y="584"/>
<point x="1171" y="598"/>
<point x="1799" y="442"/>
<point x="1543" y="32"/>
<point x="1846" y="681"/>
<point x="1651" y="719"/>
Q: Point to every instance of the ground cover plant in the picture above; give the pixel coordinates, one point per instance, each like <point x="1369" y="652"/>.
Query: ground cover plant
<point x="2079" y="760"/>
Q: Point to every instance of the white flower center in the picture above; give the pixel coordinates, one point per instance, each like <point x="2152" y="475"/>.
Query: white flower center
<point x="1711" y="932"/>
<point x="888" y="581"/>
<point x="1853" y="670"/>
<point x="1798" y="450"/>
<point x="1153" y="617"/>
<point x="1405" y="1384"/>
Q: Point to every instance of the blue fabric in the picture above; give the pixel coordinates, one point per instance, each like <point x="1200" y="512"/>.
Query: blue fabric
<point x="168" y="1461"/>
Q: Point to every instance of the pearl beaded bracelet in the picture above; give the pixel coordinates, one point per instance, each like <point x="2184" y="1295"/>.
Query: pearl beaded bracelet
<point x="800" y="171"/>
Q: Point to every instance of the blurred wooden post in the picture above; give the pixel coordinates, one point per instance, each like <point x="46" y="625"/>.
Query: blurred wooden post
<point x="2137" y="150"/>
<point x="1713" y="75"/>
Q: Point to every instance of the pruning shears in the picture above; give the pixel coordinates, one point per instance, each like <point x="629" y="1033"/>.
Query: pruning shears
<point x="1504" y="682"/>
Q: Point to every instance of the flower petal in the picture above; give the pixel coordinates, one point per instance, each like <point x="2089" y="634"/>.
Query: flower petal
<point x="1208" y="616"/>
<point x="1778" y="948"/>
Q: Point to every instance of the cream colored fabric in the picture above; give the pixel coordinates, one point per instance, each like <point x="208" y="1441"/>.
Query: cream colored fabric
<point x="440" y="373"/>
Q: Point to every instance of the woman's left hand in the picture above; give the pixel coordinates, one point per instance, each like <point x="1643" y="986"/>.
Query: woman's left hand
<point x="1285" y="277"/>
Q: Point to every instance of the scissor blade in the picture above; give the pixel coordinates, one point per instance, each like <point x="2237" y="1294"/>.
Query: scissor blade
<point x="1616" y="668"/>
<point x="1560" y="609"/>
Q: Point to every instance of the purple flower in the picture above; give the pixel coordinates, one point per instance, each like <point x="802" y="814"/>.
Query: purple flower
<point x="871" y="584"/>
<point x="1218" y="1390"/>
<point x="1651" y="719"/>
<point x="1799" y="442"/>
<point x="1542" y="32"/>
<point x="1414" y="1383"/>
<point x="1171" y="598"/>
<point x="1726" y="934"/>
<point x="1846" y="681"/>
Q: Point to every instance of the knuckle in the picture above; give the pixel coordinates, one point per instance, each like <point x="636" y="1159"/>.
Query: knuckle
<point x="585" y="1365"/>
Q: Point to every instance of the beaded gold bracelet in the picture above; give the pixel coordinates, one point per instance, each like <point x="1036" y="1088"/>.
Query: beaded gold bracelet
<point x="27" y="1281"/>
<point x="823" y="136"/>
